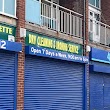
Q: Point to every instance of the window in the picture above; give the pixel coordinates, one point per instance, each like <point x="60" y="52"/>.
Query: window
<point x="94" y="26"/>
<point x="92" y="2"/>
<point x="33" y="11"/>
<point x="91" y="25"/>
<point x="97" y="28"/>
<point x="8" y="7"/>
<point x="95" y="3"/>
<point x="48" y="13"/>
<point x="1" y="2"/>
<point x="97" y="18"/>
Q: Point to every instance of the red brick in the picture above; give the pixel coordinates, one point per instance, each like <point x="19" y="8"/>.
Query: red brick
<point x="105" y="10"/>
<point x="21" y="56"/>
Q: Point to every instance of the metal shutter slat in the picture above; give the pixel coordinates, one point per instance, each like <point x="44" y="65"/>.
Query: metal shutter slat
<point x="7" y="72"/>
<point x="106" y="92"/>
<point x="52" y="84"/>
<point x="96" y="91"/>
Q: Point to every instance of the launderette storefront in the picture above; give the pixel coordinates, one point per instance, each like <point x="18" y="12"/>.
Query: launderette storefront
<point x="8" y="74"/>
<point x="99" y="80"/>
<point x="54" y="80"/>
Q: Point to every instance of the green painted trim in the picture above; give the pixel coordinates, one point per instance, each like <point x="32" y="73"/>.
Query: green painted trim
<point x="40" y="40"/>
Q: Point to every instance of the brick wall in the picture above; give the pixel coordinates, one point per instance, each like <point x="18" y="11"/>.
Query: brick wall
<point x="105" y="11"/>
<point x="21" y="56"/>
<point x="86" y="53"/>
<point x="76" y="5"/>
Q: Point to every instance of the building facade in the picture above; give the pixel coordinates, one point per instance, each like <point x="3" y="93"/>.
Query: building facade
<point x="99" y="40"/>
<point x="54" y="55"/>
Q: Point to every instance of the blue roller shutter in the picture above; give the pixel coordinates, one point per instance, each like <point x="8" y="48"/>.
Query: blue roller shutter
<point x="52" y="84"/>
<point x="96" y="91"/>
<point x="106" y="92"/>
<point x="7" y="80"/>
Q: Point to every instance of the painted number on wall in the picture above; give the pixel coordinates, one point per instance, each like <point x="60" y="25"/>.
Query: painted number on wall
<point x="2" y="44"/>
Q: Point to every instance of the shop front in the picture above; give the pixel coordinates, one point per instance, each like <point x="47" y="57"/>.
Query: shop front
<point x="8" y="74"/>
<point x="99" y="79"/>
<point x="8" y="67"/>
<point x="54" y="74"/>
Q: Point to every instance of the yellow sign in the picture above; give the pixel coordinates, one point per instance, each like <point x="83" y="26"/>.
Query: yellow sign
<point x="6" y="29"/>
<point x="40" y="40"/>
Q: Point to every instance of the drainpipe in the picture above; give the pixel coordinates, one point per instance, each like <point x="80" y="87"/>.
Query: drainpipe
<point x="85" y="43"/>
<point x="85" y="33"/>
<point x="84" y="29"/>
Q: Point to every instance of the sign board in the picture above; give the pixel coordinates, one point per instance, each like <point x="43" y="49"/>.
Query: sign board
<point x="7" y="32"/>
<point x="11" y="46"/>
<point x="52" y="43"/>
<point x="40" y="51"/>
<point x="100" y="55"/>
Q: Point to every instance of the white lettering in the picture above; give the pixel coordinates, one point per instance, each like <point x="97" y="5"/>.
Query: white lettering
<point x="43" y="51"/>
<point x="62" y="55"/>
<point x="71" y="56"/>
<point x="85" y="59"/>
<point x="35" y="50"/>
<point x="78" y="58"/>
<point x="49" y="53"/>
<point x="3" y="44"/>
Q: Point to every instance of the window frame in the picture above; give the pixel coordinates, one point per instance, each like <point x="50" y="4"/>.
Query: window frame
<point x="2" y="12"/>
<point x="95" y="22"/>
<point x="96" y="5"/>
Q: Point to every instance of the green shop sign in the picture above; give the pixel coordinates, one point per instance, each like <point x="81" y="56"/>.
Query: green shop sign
<point x="52" y="43"/>
<point x="7" y="32"/>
